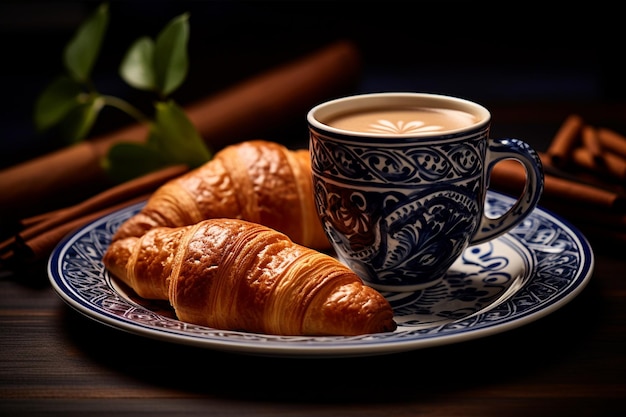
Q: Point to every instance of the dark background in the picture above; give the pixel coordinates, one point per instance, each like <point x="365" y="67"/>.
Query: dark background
<point x="505" y="56"/>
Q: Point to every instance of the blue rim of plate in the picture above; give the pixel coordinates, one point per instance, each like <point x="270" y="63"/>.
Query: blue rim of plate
<point x="533" y="270"/>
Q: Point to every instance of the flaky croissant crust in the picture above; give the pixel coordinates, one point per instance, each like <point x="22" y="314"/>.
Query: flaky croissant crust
<point x="236" y="275"/>
<point x="260" y="181"/>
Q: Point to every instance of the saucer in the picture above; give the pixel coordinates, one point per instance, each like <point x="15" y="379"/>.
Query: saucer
<point x="535" y="269"/>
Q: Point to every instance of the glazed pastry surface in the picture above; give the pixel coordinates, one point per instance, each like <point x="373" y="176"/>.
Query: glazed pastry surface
<point x="237" y="275"/>
<point x="260" y="181"/>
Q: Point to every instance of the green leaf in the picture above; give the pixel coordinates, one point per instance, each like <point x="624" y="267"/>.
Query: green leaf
<point x="174" y="135"/>
<point x="126" y="160"/>
<point x="81" y="52"/>
<point x="137" y="67"/>
<point x="170" y="55"/>
<point x="78" y="123"/>
<point x="55" y="102"/>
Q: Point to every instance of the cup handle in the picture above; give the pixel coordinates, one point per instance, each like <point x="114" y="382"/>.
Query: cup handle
<point x="499" y="150"/>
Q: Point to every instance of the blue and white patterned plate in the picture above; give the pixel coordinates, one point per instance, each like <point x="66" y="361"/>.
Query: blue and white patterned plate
<point x="520" y="277"/>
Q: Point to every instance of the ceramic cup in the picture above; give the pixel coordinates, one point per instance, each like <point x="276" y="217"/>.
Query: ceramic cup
<point x="400" y="181"/>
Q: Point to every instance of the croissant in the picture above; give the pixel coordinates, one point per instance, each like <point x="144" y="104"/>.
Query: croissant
<point x="232" y="274"/>
<point x="259" y="181"/>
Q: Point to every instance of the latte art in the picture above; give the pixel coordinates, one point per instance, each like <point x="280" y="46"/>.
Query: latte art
<point x="402" y="121"/>
<point x="399" y="127"/>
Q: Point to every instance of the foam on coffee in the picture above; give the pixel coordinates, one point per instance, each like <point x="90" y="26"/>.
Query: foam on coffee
<point x="402" y="120"/>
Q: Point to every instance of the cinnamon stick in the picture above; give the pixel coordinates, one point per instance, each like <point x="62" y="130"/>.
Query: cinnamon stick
<point x="612" y="165"/>
<point x="612" y="141"/>
<point x="592" y="145"/>
<point x="40" y="217"/>
<point x="565" y="140"/>
<point x="511" y="176"/>
<point x="241" y="112"/>
<point x="118" y="194"/>
<point x="40" y="246"/>
<point x="616" y="165"/>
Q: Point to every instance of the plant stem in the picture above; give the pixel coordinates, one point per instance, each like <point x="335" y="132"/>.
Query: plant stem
<point x="125" y="107"/>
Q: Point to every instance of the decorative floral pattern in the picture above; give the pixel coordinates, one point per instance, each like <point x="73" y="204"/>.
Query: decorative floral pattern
<point x="407" y="164"/>
<point x="381" y="203"/>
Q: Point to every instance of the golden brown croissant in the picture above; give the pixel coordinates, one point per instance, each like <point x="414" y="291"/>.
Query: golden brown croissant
<point x="259" y="181"/>
<point x="232" y="274"/>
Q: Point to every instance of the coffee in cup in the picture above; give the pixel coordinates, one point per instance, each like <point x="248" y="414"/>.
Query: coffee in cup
<point x="402" y="120"/>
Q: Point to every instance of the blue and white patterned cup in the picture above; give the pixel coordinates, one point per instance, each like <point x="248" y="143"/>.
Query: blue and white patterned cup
<point x="400" y="181"/>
